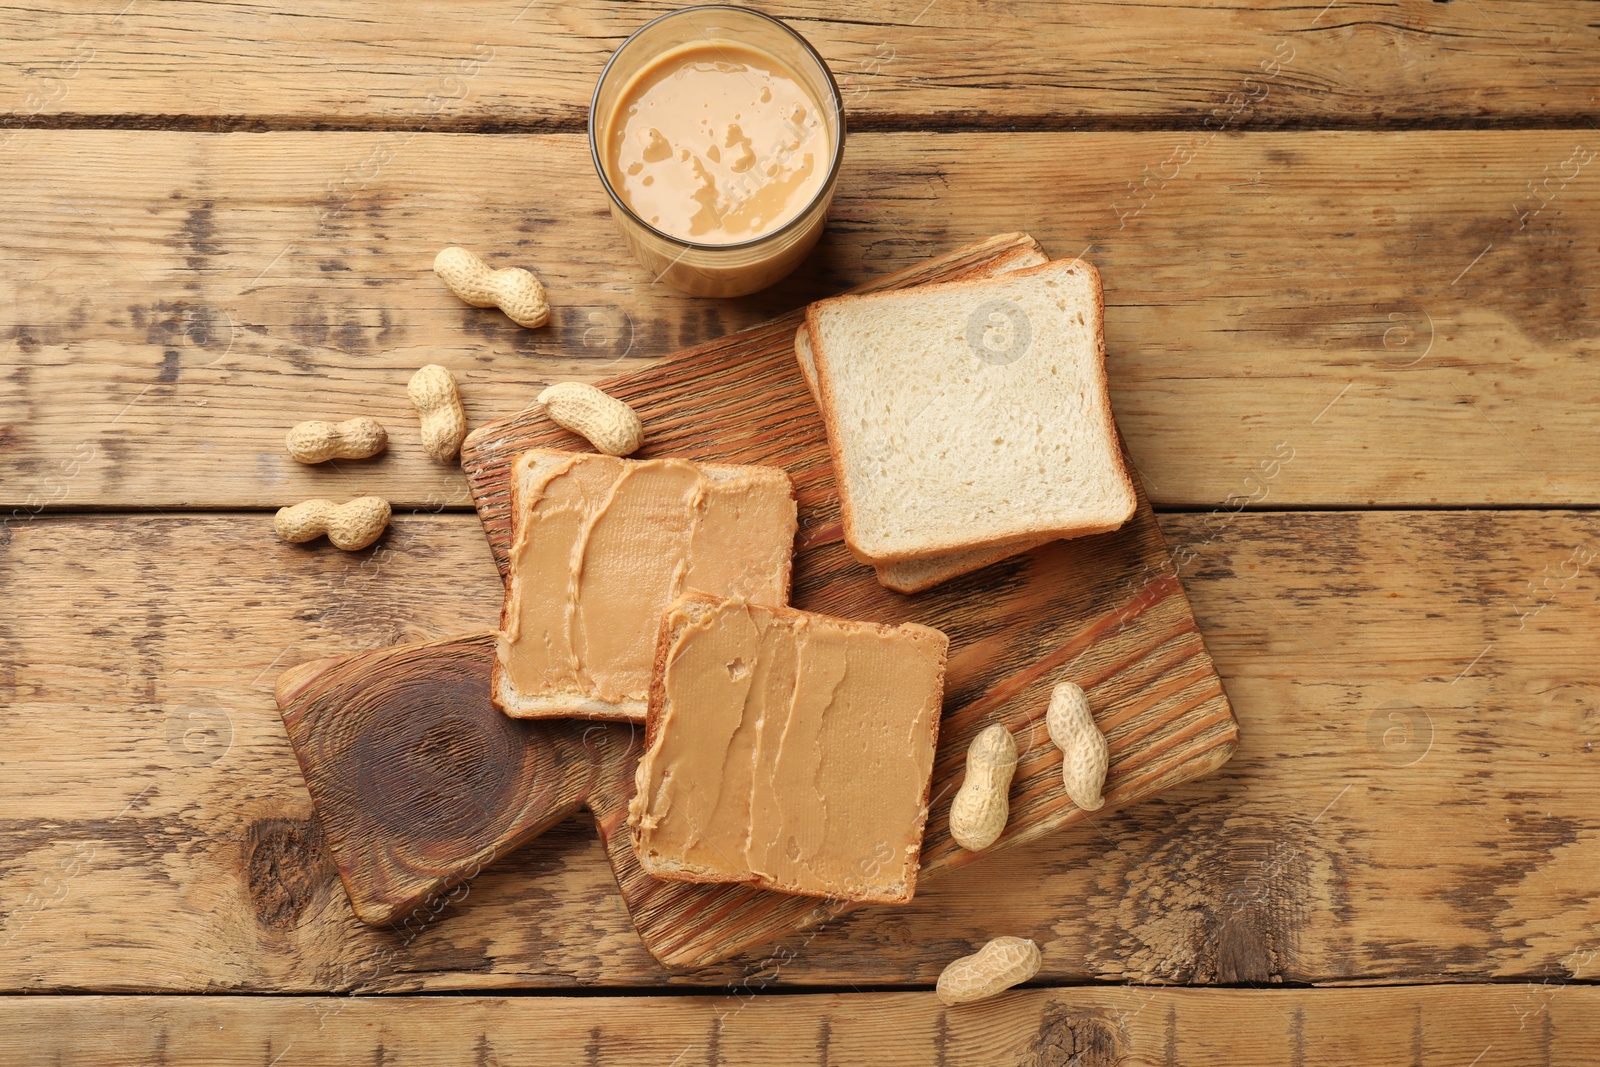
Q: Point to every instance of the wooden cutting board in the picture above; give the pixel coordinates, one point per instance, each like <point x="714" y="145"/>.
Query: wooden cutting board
<point x="1107" y="612"/>
<point x="420" y="782"/>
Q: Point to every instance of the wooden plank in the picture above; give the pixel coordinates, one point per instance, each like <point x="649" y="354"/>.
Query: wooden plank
<point x="1486" y="1026"/>
<point x="509" y="63"/>
<point x="1295" y="319"/>
<point x="1410" y="800"/>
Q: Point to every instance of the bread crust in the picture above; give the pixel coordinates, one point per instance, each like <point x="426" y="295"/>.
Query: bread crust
<point x="673" y="619"/>
<point x="501" y="692"/>
<point x="916" y="575"/>
<point x="825" y="401"/>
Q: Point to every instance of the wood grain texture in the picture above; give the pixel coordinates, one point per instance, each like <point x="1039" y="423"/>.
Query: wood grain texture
<point x="509" y="64"/>
<point x="1107" y="612"/>
<point x="1488" y="1026"/>
<point x="418" y="779"/>
<point x="1338" y="319"/>
<point x="173" y="303"/>
<point x="1411" y="798"/>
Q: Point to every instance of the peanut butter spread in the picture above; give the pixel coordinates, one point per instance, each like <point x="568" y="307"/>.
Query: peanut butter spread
<point x="717" y="142"/>
<point x="789" y="750"/>
<point x="601" y="546"/>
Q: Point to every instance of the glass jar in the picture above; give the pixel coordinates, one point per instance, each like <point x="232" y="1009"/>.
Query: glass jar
<point x="711" y="269"/>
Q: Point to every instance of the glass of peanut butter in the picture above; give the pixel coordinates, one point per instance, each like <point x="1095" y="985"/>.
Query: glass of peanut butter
<point x="718" y="133"/>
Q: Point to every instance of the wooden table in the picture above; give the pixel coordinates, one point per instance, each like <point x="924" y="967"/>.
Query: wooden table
<point x="1350" y="257"/>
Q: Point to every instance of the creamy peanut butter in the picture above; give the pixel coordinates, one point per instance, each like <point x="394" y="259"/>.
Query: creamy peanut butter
<point x="601" y="546"/>
<point x="717" y="142"/>
<point x="789" y="750"/>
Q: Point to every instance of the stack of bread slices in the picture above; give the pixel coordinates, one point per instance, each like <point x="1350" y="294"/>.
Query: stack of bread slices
<point x="969" y="420"/>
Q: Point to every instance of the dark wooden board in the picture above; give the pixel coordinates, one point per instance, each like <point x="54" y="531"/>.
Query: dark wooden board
<point x="418" y="779"/>
<point x="1107" y="612"/>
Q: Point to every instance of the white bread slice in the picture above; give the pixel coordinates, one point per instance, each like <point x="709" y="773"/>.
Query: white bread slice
<point x="802" y="758"/>
<point x="753" y="558"/>
<point x="1022" y="256"/>
<point x="914" y="576"/>
<point x="970" y="414"/>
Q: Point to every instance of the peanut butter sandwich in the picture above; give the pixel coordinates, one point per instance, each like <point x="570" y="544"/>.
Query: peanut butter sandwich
<point x="601" y="546"/>
<point x="788" y="750"/>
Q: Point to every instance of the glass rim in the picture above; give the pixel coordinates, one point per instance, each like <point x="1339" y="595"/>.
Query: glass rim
<point x="833" y="166"/>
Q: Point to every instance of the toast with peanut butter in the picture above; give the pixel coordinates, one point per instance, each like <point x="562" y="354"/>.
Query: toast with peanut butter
<point x="788" y="750"/>
<point x="600" y="546"/>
